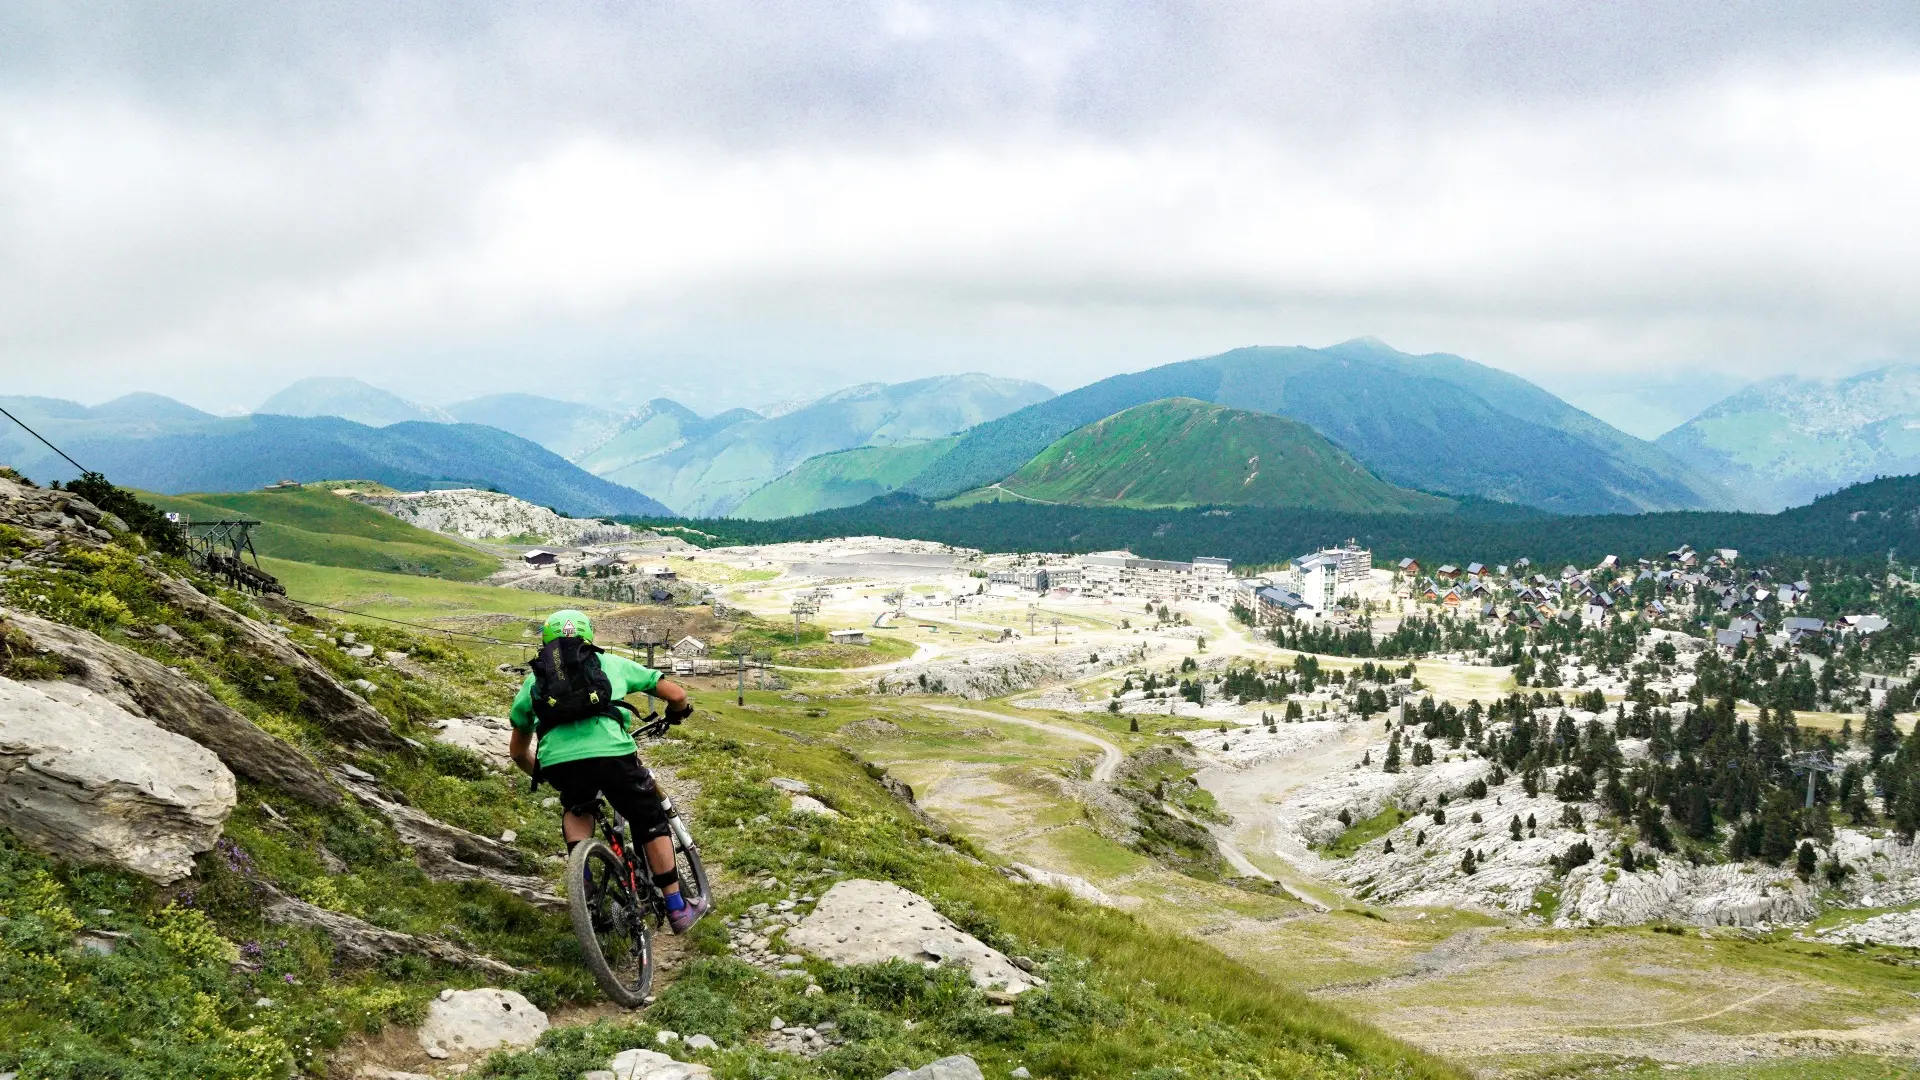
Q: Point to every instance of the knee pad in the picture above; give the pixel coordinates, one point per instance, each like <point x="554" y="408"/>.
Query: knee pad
<point x="651" y="821"/>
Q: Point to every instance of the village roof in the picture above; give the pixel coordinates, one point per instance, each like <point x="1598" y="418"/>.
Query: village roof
<point x="1728" y="638"/>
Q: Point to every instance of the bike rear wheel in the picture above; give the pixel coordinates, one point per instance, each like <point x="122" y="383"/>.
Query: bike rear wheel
<point x="686" y="861"/>
<point x="609" y="922"/>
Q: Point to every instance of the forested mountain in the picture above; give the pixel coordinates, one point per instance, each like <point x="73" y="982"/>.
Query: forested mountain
<point x="1437" y="422"/>
<point x="1787" y="440"/>
<point x="348" y="399"/>
<point x="700" y="467"/>
<point x="564" y="427"/>
<point x="1867" y="521"/>
<point x="1183" y="452"/>
<point x="242" y="453"/>
<point x="843" y="478"/>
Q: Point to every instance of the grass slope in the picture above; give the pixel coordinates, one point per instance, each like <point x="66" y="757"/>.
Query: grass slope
<point x="1181" y="452"/>
<point x="313" y="525"/>
<point x="846" y="478"/>
<point x="180" y="993"/>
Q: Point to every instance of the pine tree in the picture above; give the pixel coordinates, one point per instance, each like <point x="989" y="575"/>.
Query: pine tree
<point x="1420" y="838"/>
<point x="1467" y="865"/>
<point x="1626" y="860"/>
<point x="1392" y="763"/>
<point x="1133" y="725"/>
<point x="1805" y="861"/>
<point x="1531" y="827"/>
<point x="1513" y="829"/>
<point x="1388" y="849"/>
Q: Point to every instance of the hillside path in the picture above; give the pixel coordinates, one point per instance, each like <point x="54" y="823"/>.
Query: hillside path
<point x="1110" y="755"/>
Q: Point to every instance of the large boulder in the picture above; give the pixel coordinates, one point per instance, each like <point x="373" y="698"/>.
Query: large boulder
<point x="175" y="703"/>
<point x="870" y="922"/>
<point x="470" y="1021"/>
<point x="86" y="780"/>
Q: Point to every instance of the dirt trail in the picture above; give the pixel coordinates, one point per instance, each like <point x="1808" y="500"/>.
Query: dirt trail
<point x="1110" y="755"/>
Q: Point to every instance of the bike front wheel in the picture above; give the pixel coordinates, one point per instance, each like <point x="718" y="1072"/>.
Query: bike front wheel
<point x="686" y="860"/>
<point x="609" y="922"/>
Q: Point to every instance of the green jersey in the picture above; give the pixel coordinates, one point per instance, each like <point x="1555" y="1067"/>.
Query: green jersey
<point x="598" y="736"/>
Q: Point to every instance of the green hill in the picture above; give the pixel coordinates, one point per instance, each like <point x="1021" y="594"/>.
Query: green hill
<point x="1435" y="422"/>
<point x="1181" y="452"/>
<point x="847" y="478"/>
<point x="313" y="525"/>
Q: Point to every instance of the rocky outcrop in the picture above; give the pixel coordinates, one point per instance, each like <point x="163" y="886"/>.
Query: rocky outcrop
<point x="486" y="736"/>
<point x="1077" y="886"/>
<point x="344" y="714"/>
<point x="86" y="780"/>
<point x="147" y="689"/>
<point x="492" y="515"/>
<point x="957" y="1067"/>
<point x="471" y="1021"/>
<point x="869" y="922"/>
<point x="359" y="942"/>
<point x="448" y="852"/>
<point x="977" y="676"/>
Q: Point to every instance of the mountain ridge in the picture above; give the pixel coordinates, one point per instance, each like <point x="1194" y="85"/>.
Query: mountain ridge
<point x="1787" y="439"/>
<point x="1433" y="423"/>
<point x="1181" y="452"/>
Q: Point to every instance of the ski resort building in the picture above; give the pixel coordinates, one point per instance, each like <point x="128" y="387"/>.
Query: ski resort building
<point x="1122" y="573"/>
<point x="1325" y="577"/>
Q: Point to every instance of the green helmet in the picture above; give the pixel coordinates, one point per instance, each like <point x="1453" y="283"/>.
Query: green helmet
<point x="564" y="622"/>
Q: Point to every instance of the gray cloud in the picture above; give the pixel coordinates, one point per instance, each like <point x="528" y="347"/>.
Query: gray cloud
<point x="212" y="199"/>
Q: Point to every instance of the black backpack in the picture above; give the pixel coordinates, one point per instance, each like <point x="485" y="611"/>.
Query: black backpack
<point x="568" y="685"/>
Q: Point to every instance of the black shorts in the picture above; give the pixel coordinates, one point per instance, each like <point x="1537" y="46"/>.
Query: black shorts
<point x="626" y="783"/>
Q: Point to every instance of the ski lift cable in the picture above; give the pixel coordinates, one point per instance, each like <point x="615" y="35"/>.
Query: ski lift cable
<point x="43" y="438"/>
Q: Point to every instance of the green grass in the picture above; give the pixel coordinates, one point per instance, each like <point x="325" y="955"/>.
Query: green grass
<point x="313" y="525"/>
<point x="417" y="599"/>
<point x="1180" y="452"/>
<point x="1361" y="833"/>
<point x="845" y="478"/>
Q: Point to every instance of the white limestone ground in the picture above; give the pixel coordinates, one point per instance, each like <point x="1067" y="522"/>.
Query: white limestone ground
<point x="1510" y="872"/>
<point x="1900" y="928"/>
<point x="86" y="780"/>
<point x="1252" y="743"/>
<point x="492" y="515"/>
<point x="982" y="674"/>
<point x="869" y="922"/>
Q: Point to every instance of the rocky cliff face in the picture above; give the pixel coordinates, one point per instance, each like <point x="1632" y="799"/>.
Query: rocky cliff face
<point x="491" y="515"/>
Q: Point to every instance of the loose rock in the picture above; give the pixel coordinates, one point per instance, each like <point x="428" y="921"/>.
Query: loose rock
<point x="957" y="1067"/>
<point x="466" y="1021"/>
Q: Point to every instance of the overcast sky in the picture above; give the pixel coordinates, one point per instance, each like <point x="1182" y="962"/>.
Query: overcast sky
<point x="1638" y="205"/>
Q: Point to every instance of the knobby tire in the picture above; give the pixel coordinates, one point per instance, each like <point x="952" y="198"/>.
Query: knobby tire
<point x="609" y="918"/>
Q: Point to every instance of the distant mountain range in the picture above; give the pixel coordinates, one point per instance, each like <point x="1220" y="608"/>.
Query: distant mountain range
<point x="708" y="467"/>
<point x="563" y="427"/>
<point x="1784" y="441"/>
<point x="843" y="478"/>
<point x="1180" y="452"/>
<point x="162" y="446"/>
<point x="1436" y="422"/>
<point x="1433" y="423"/>
<point x="348" y="399"/>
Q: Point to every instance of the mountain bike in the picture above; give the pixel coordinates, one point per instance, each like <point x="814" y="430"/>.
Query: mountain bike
<point x="612" y="898"/>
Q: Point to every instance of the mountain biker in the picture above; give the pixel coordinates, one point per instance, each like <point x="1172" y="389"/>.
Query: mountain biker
<point x="573" y="735"/>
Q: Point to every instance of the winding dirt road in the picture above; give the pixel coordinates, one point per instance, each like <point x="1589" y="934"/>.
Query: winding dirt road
<point x="1110" y="755"/>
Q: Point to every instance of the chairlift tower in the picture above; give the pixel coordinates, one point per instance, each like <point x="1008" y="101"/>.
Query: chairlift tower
<point x="646" y="637"/>
<point x="221" y="547"/>
<point x="1813" y="763"/>
<point x="802" y="608"/>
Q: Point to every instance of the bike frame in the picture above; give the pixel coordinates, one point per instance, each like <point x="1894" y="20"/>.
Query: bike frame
<point x="613" y="829"/>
